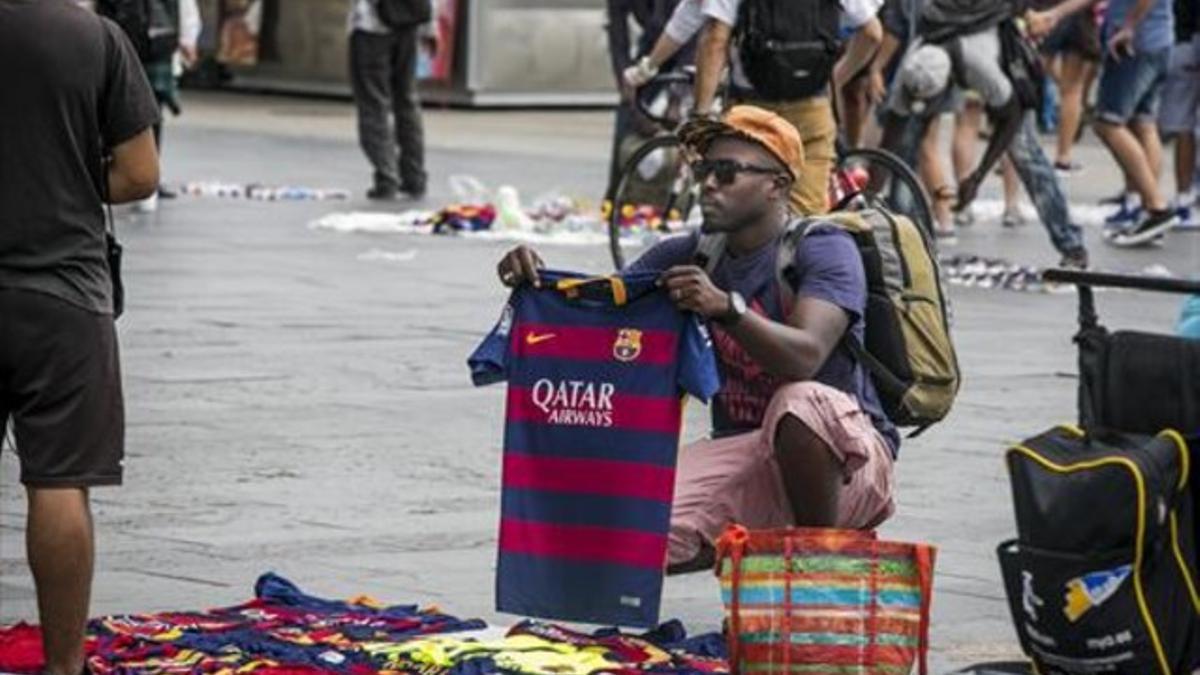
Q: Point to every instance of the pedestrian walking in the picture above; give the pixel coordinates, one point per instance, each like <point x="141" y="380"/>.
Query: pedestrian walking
<point x="74" y="92"/>
<point x="385" y="36"/>
<point x="1138" y="35"/>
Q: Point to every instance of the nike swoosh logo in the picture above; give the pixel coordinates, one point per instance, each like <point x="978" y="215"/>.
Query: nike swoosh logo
<point x="532" y="339"/>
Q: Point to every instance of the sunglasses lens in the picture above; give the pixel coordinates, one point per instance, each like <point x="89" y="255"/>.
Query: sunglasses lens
<point x="726" y="172"/>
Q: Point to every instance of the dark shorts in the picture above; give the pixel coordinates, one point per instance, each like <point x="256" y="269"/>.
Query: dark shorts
<point x="60" y="387"/>
<point x="1077" y="34"/>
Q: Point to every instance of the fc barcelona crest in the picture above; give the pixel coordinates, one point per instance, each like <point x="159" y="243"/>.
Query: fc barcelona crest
<point x="628" y="345"/>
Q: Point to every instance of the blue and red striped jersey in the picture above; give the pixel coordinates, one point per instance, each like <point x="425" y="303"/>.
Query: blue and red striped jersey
<point x="596" y="372"/>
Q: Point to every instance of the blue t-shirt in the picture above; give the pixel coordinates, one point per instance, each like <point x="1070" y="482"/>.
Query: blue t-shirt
<point x="828" y="267"/>
<point x="1155" y="33"/>
<point x="595" y="406"/>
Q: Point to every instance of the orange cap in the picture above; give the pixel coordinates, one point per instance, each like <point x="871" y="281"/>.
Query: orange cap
<point x="752" y="123"/>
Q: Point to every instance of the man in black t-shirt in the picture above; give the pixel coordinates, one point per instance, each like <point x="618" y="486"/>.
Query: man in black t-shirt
<point x="73" y="93"/>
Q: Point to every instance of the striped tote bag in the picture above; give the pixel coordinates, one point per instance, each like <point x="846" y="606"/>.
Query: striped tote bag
<point x="824" y="602"/>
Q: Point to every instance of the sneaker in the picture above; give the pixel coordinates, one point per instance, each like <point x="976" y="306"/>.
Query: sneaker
<point x="1012" y="218"/>
<point x="382" y="193"/>
<point x="1189" y="219"/>
<point x="147" y="205"/>
<point x="1124" y="219"/>
<point x="414" y="193"/>
<point x="1154" y="225"/>
<point x="1074" y="260"/>
<point x="1067" y="169"/>
<point x="966" y="217"/>
<point x="945" y="237"/>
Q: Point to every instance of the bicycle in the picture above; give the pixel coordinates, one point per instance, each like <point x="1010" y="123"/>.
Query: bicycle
<point x="655" y="194"/>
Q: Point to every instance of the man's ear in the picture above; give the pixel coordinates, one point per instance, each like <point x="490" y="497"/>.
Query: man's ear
<point x="782" y="187"/>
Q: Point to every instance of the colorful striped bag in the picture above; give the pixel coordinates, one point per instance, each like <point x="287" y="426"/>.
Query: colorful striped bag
<point x="814" y="601"/>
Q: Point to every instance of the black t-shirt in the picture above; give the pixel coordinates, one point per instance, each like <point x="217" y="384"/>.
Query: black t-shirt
<point x="71" y="87"/>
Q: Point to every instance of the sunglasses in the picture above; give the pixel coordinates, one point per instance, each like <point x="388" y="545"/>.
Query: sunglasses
<point x="726" y="170"/>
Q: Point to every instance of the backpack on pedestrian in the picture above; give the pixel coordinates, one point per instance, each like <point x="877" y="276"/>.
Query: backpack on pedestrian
<point x="788" y="48"/>
<point x="133" y="16"/>
<point x="1102" y="574"/>
<point x="151" y="25"/>
<point x="400" y="14"/>
<point x="908" y="349"/>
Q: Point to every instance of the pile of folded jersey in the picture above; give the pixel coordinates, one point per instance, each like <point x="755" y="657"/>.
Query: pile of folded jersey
<point x="284" y="631"/>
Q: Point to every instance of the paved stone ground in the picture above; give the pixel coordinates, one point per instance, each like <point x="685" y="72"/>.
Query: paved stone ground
<point x="294" y="408"/>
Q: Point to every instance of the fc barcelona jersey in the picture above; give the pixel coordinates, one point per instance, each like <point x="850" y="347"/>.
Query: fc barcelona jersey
<point x="596" y="372"/>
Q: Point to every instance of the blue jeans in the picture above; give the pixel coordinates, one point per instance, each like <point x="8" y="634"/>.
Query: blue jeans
<point x="1132" y="86"/>
<point x="1036" y="172"/>
<point x="1040" y="181"/>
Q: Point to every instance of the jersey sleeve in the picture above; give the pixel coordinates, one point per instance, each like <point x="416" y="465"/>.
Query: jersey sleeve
<point x="697" y="364"/>
<point x="489" y="361"/>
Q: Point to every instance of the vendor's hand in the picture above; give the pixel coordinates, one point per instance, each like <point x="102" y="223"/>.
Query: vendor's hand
<point x="967" y="189"/>
<point x="520" y="266"/>
<point x="691" y="289"/>
<point x="1120" y="45"/>
<point x="1040" y="24"/>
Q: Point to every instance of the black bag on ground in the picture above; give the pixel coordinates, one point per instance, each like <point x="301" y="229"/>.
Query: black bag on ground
<point x="1102" y="575"/>
<point x="788" y="47"/>
<point x="399" y="14"/>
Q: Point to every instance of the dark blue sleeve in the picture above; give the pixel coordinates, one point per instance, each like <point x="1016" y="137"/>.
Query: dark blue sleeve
<point x="669" y="252"/>
<point x="489" y="361"/>
<point x="831" y="269"/>
<point x="697" y="364"/>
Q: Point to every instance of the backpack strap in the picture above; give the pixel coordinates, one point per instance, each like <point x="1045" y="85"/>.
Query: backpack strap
<point x="710" y="248"/>
<point x="785" y="261"/>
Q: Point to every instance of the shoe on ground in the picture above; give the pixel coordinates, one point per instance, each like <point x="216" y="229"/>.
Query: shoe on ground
<point x="1067" y="169"/>
<point x="413" y="193"/>
<point x="945" y="236"/>
<point x="147" y="205"/>
<point x="1189" y="218"/>
<point x="1155" y="224"/>
<point x="382" y="193"/>
<point x="965" y="218"/>
<point x="1127" y="212"/>
<point x="1012" y="219"/>
<point x="1074" y="260"/>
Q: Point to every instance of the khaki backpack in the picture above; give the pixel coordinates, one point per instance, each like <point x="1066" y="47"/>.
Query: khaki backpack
<point x="908" y="349"/>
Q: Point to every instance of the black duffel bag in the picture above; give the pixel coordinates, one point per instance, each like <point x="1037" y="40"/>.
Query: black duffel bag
<point x="1101" y="578"/>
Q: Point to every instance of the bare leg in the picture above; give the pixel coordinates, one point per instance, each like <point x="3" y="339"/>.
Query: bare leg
<point x="856" y="111"/>
<point x="1133" y="159"/>
<point x="929" y="165"/>
<point x="1147" y="136"/>
<point x="966" y="135"/>
<point x="1012" y="186"/>
<point x="1185" y="163"/>
<point x="1077" y="74"/>
<point x="812" y="475"/>
<point x="60" y="547"/>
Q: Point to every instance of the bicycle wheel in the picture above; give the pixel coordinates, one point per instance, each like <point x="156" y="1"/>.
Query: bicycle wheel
<point x="653" y="196"/>
<point x="885" y="179"/>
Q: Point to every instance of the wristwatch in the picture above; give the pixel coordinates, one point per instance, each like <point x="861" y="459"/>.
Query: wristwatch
<point x="736" y="310"/>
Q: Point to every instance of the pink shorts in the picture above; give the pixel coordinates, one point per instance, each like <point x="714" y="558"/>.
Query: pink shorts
<point x="736" y="479"/>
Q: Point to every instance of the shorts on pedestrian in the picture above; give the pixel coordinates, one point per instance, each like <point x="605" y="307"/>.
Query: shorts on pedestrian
<point x="60" y="387"/>
<point x="813" y="118"/>
<point x="1181" y="93"/>
<point x="736" y="479"/>
<point x="1077" y="34"/>
<point x="1130" y="88"/>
